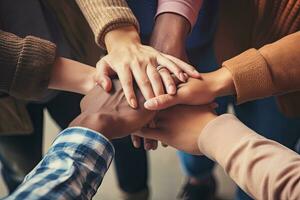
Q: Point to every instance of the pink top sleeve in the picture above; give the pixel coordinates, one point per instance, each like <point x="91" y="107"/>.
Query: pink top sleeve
<point x="263" y="168"/>
<point x="187" y="8"/>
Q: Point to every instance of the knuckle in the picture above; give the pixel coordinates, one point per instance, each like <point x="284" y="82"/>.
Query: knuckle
<point x="135" y="61"/>
<point x="127" y="83"/>
<point x="145" y="82"/>
<point x="155" y="75"/>
<point x="189" y="92"/>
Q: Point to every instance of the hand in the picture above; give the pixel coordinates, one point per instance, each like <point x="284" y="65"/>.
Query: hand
<point x="180" y="126"/>
<point x="168" y="36"/>
<point x="196" y="91"/>
<point x="110" y="114"/>
<point x="132" y="61"/>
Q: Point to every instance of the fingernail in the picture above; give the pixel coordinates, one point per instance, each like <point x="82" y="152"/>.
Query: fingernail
<point x="133" y="103"/>
<point x="104" y="85"/>
<point x="147" y="147"/>
<point x="154" y="147"/>
<point x="171" y="89"/>
<point x="100" y="83"/>
<point x="182" y="77"/>
<point x="186" y="76"/>
<point x="136" y="144"/>
<point x="151" y="103"/>
<point x="196" y="72"/>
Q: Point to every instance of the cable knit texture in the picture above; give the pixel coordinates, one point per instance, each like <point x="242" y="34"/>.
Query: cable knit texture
<point x="25" y="65"/>
<point x="106" y="15"/>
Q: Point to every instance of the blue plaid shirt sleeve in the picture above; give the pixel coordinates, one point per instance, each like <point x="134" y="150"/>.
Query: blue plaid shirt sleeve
<point x="73" y="168"/>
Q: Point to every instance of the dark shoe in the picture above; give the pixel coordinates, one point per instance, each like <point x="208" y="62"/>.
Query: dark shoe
<point x="206" y="190"/>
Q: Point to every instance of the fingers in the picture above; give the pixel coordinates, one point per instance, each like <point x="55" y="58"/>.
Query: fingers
<point x="136" y="141"/>
<point x="150" y="144"/>
<point x="171" y="66"/>
<point x="142" y="80"/>
<point x="161" y="102"/>
<point x="125" y="77"/>
<point x="155" y="80"/>
<point x="168" y="81"/>
<point x="190" y="70"/>
<point x="152" y="133"/>
<point x="102" y="76"/>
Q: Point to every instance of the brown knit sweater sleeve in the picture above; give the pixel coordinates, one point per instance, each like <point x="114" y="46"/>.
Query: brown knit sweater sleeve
<point x="272" y="70"/>
<point x="106" y="15"/>
<point x="25" y="65"/>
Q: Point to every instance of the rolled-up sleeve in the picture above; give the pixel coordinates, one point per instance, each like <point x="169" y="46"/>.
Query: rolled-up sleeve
<point x="187" y="8"/>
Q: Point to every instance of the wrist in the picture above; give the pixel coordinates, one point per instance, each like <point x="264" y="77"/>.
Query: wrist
<point x="88" y="82"/>
<point x="96" y="121"/>
<point x="122" y="36"/>
<point x="70" y="75"/>
<point x="172" y="24"/>
<point x="221" y="82"/>
<point x="204" y="120"/>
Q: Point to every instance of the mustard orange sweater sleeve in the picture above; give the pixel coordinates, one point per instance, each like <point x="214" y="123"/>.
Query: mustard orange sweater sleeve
<point x="271" y="70"/>
<point x="263" y="168"/>
<point x="106" y="15"/>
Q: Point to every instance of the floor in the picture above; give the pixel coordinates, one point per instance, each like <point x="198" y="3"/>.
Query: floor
<point x="166" y="177"/>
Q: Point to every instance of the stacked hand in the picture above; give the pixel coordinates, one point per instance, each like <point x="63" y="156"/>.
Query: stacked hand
<point x="196" y="91"/>
<point x="152" y="72"/>
<point x="133" y="62"/>
<point x="180" y="126"/>
<point x="110" y="114"/>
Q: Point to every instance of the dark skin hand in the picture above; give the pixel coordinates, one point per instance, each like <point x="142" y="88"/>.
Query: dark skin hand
<point x="168" y="36"/>
<point x="110" y="114"/>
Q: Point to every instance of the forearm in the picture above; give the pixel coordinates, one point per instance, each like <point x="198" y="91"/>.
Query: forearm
<point x="106" y="15"/>
<point x="25" y="63"/>
<point x="73" y="168"/>
<point x="261" y="167"/>
<point x="72" y="76"/>
<point x="170" y="33"/>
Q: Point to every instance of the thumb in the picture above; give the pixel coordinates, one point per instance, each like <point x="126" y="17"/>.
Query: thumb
<point x="102" y="76"/>
<point x="161" y="102"/>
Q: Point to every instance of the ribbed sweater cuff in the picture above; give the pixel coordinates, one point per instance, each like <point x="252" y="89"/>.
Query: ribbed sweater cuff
<point x="27" y="65"/>
<point x="105" y="16"/>
<point x="10" y="48"/>
<point x="251" y="76"/>
<point x="184" y="8"/>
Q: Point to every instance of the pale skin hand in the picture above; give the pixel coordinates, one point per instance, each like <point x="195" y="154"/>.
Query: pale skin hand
<point x="196" y="91"/>
<point x="180" y="131"/>
<point x="132" y="61"/>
